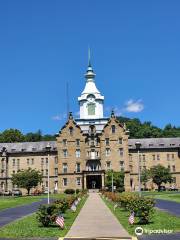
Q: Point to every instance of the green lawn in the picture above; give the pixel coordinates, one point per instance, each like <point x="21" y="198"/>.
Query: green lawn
<point x="160" y="220"/>
<point x="29" y="227"/>
<point x="8" y="202"/>
<point x="171" y="196"/>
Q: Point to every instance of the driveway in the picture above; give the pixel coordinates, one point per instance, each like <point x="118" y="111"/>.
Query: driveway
<point x="11" y="214"/>
<point x="169" y="206"/>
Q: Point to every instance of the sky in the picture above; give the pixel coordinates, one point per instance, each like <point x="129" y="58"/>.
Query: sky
<point x="135" y="53"/>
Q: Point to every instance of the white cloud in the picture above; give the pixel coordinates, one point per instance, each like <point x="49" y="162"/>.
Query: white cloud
<point x="59" y="117"/>
<point x="134" y="106"/>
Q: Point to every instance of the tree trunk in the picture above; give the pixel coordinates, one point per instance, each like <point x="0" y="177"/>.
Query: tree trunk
<point x="28" y="190"/>
<point x="159" y="188"/>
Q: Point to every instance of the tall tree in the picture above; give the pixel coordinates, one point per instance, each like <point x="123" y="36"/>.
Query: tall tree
<point x="145" y="176"/>
<point x="160" y="174"/>
<point x="11" y="135"/>
<point x="118" y="180"/>
<point x="27" y="179"/>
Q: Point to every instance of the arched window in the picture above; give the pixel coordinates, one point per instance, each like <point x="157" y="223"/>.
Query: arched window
<point x="113" y="128"/>
<point x="71" y="130"/>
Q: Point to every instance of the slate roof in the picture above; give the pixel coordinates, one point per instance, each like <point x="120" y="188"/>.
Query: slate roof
<point x="146" y="143"/>
<point x="151" y="143"/>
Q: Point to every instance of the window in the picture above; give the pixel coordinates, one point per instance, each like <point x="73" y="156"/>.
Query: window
<point x="46" y="172"/>
<point x="32" y="161"/>
<point x="113" y="128"/>
<point x="78" y="167"/>
<point x="71" y="130"/>
<point x="64" y="142"/>
<point x="65" y="167"/>
<point x="154" y="157"/>
<point x="14" y="162"/>
<point x="107" y="141"/>
<point x="121" y="152"/>
<point x="56" y="171"/>
<point x="78" y="153"/>
<point x="108" y="164"/>
<point x="121" y="165"/>
<point x="14" y="171"/>
<point x="97" y="154"/>
<point x="56" y="160"/>
<point x="169" y="167"/>
<point x="172" y="156"/>
<point x="42" y="161"/>
<point x="78" y="181"/>
<point x="18" y="164"/>
<point x="64" y="181"/>
<point x="91" y="108"/>
<point x="130" y="168"/>
<point x="46" y="183"/>
<point x="28" y="161"/>
<point x="130" y="157"/>
<point x="108" y="151"/>
<point x="120" y="140"/>
<point x="168" y="157"/>
<point x="42" y="172"/>
<point x="144" y="158"/>
<point x="173" y="168"/>
<point x="65" y="153"/>
<point x="158" y="157"/>
<point x="46" y="160"/>
<point x="77" y="142"/>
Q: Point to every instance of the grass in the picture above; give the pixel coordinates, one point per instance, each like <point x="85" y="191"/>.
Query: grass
<point x="160" y="220"/>
<point x="170" y="196"/>
<point x="29" y="226"/>
<point x="9" y="202"/>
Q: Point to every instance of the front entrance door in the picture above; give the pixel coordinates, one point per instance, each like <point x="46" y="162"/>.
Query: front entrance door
<point x="94" y="182"/>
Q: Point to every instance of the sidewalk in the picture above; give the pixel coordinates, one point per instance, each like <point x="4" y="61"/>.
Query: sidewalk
<point x="96" y="220"/>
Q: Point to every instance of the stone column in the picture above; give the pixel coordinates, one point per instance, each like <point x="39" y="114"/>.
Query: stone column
<point x="102" y="177"/>
<point x="85" y="185"/>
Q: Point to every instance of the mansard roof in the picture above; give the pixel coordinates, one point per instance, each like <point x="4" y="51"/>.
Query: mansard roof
<point x="28" y="146"/>
<point x="146" y="143"/>
<point x="150" y="143"/>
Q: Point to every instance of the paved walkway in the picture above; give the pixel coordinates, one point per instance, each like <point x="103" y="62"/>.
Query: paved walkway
<point x="169" y="206"/>
<point x="11" y="214"/>
<point x="96" y="220"/>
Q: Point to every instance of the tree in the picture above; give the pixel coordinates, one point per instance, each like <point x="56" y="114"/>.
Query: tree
<point x="118" y="180"/>
<point x="145" y="176"/>
<point x="11" y="135"/>
<point x="160" y="174"/>
<point x="27" y="179"/>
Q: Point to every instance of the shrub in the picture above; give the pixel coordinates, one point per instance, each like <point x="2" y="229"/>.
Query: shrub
<point x="69" y="191"/>
<point x="46" y="214"/>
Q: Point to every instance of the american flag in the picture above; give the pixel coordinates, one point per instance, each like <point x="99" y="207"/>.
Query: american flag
<point x="131" y="218"/>
<point x="60" y="221"/>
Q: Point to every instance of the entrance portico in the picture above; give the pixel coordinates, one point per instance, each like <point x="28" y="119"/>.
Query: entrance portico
<point x="93" y="179"/>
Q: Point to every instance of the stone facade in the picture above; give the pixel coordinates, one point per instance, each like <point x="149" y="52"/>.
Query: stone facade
<point x="86" y="148"/>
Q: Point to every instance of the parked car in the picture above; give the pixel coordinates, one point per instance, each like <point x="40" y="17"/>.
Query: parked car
<point x="162" y="188"/>
<point x="7" y="193"/>
<point x="16" y="192"/>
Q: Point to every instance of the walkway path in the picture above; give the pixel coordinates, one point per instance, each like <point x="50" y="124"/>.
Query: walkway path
<point x="11" y="214"/>
<point x="169" y="206"/>
<point x="96" y="220"/>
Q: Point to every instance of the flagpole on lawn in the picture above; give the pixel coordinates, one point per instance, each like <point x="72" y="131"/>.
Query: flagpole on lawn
<point x="48" y="148"/>
<point x="112" y="181"/>
<point x="138" y="145"/>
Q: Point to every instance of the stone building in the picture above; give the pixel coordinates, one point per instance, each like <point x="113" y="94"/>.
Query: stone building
<point x="86" y="148"/>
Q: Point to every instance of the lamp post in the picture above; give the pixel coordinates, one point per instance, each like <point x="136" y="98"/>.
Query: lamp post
<point x="138" y="145"/>
<point x="48" y="148"/>
<point x="5" y="155"/>
<point x="112" y="182"/>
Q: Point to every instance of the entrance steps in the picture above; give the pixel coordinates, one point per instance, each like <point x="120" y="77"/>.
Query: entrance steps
<point x="93" y="190"/>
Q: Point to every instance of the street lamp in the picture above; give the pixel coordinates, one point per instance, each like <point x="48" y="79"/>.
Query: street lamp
<point x="5" y="155"/>
<point x="112" y="181"/>
<point x="48" y="148"/>
<point x="138" y="146"/>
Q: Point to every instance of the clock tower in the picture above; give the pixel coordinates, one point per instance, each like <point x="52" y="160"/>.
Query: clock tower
<point x="91" y="101"/>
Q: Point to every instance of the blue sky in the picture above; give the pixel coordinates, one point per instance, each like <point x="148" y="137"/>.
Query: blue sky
<point x="135" y="49"/>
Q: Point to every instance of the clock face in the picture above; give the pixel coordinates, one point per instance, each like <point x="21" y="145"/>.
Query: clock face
<point x="91" y="98"/>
